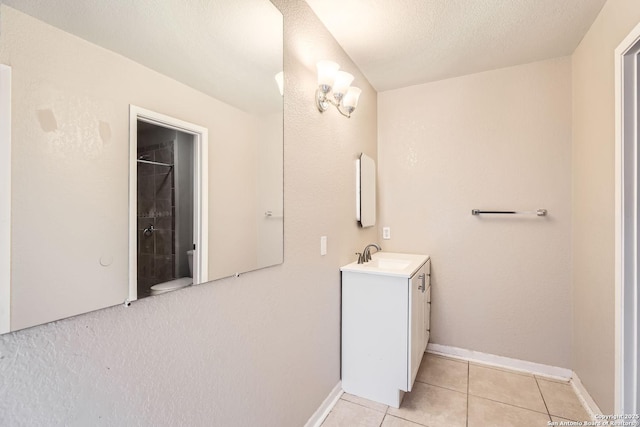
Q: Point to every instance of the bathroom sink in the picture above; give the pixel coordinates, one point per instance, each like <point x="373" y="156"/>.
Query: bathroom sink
<point x="389" y="264"/>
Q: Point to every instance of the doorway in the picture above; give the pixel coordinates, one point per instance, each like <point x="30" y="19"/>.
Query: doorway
<point x="168" y="204"/>
<point x="627" y="222"/>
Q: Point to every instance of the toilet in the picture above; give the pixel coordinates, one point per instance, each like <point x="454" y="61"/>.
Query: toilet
<point x="174" y="284"/>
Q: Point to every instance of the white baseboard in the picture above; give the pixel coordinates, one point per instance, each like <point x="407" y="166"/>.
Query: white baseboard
<point x="585" y="398"/>
<point x="502" y="362"/>
<point x="327" y="405"/>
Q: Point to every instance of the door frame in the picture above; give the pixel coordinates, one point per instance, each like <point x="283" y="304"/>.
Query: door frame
<point x="200" y="192"/>
<point x="627" y="222"/>
<point x="5" y="198"/>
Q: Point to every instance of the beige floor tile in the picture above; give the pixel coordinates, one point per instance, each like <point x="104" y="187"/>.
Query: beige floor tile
<point x="506" y="387"/>
<point x="433" y="406"/>
<point x="381" y="407"/>
<point x="444" y="372"/>
<point x="562" y="400"/>
<point x="348" y="414"/>
<point x="486" y="413"/>
<point x="391" y="421"/>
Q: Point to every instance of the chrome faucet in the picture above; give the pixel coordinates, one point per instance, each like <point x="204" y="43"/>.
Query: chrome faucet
<point x="366" y="254"/>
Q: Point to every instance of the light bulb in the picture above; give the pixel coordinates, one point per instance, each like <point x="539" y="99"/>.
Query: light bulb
<point x="326" y="74"/>
<point x="350" y="100"/>
<point x="341" y="84"/>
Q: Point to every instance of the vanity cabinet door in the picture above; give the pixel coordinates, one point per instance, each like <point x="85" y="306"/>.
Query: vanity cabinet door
<point x="417" y="302"/>
<point x="427" y="305"/>
<point x="427" y="319"/>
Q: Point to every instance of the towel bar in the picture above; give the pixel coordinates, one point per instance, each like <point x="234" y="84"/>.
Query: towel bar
<point x="539" y="212"/>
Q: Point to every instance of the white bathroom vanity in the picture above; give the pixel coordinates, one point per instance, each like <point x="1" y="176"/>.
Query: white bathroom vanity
<point x="385" y="325"/>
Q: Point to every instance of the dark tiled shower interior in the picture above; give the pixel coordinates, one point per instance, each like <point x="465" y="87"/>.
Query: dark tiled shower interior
<point x="156" y="206"/>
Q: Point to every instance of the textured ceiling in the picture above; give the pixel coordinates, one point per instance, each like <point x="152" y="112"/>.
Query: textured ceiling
<point x="398" y="43"/>
<point x="229" y="49"/>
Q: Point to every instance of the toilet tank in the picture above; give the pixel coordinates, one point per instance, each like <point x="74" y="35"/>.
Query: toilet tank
<point x="190" y="259"/>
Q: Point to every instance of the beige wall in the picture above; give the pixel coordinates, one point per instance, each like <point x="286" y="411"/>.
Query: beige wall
<point x="268" y="183"/>
<point x="593" y="199"/>
<point x="233" y="196"/>
<point x="259" y="350"/>
<point x="495" y="140"/>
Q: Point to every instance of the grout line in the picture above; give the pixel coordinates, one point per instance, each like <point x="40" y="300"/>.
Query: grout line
<point x="364" y="406"/>
<point x="442" y="386"/>
<point x="510" y="404"/>
<point x="406" y="419"/>
<point x="543" y="399"/>
<point x="384" y="417"/>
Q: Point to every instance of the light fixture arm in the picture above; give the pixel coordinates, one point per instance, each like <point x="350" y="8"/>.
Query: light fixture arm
<point x="347" y="114"/>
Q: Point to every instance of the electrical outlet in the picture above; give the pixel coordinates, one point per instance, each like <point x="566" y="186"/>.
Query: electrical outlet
<point x="386" y="233"/>
<point x="323" y="245"/>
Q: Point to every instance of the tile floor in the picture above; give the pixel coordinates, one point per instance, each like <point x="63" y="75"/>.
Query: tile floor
<point x="454" y="393"/>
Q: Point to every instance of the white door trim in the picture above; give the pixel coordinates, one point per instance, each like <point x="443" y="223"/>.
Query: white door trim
<point x="200" y="191"/>
<point x="5" y="199"/>
<point x="627" y="101"/>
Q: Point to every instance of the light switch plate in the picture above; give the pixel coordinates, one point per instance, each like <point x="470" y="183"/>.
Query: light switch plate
<point x="323" y="245"/>
<point x="386" y="233"/>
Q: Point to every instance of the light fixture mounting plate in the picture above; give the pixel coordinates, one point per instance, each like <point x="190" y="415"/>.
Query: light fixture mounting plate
<point x="321" y="101"/>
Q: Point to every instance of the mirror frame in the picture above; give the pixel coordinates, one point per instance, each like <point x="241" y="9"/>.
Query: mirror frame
<point x="366" y="191"/>
<point x="6" y="199"/>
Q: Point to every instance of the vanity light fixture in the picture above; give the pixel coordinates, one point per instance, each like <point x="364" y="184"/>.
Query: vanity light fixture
<point x="280" y="81"/>
<point x="334" y="88"/>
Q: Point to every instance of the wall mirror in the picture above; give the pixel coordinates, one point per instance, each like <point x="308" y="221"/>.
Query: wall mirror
<point x="366" y="191"/>
<point x="77" y="69"/>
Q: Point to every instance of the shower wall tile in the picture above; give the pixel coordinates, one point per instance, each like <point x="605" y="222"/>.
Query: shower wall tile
<point x="146" y="186"/>
<point x="163" y="208"/>
<point x="164" y="223"/>
<point x="145" y="207"/>
<point x="145" y="169"/>
<point x="164" y="242"/>
<point x="162" y="185"/>
<point x="145" y="267"/>
<point x="147" y="244"/>
<point x="164" y="155"/>
<point x="163" y="268"/>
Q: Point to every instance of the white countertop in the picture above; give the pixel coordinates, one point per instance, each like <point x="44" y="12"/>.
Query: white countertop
<point x="389" y="264"/>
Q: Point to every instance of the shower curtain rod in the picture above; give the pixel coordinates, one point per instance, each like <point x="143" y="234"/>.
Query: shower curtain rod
<point x="149" y="162"/>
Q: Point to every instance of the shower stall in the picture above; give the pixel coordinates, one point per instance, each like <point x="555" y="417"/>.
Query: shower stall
<point x="165" y="210"/>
